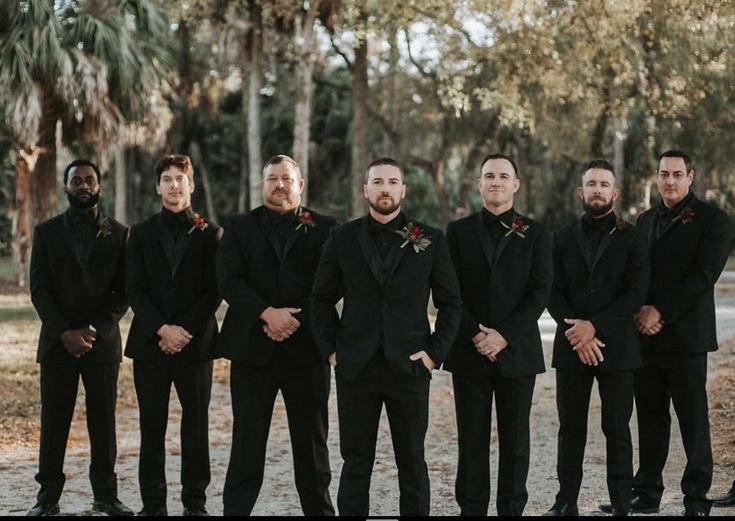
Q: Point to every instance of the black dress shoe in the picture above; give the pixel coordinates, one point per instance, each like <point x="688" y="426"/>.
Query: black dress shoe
<point x="637" y="506"/>
<point x="157" y="512"/>
<point x="112" y="507"/>
<point x="728" y="500"/>
<point x="693" y="512"/>
<point x="39" y="509"/>
<point x="195" y="512"/>
<point x="561" y="508"/>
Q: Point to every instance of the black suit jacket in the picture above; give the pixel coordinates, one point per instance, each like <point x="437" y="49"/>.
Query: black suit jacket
<point x="607" y="290"/>
<point x="252" y="277"/>
<point x="388" y="313"/>
<point x="70" y="292"/>
<point x="685" y="263"/>
<point x="166" y="288"/>
<point x="506" y="290"/>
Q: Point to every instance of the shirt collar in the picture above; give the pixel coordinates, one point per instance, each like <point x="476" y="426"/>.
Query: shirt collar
<point x="393" y="225"/>
<point x="76" y="216"/>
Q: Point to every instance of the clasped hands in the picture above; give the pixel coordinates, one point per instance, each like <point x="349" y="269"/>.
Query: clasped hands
<point x="582" y="337"/>
<point x="280" y="323"/>
<point x="489" y="343"/>
<point x="78" y="342"/>
<point x="648" y="320"/>
<point x="173" y="338"/>
<point x="419" y="355"/>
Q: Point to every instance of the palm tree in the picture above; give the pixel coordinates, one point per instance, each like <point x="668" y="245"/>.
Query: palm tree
<point x="87" y="64"/>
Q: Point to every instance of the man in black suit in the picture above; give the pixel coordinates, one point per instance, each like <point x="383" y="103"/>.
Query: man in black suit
<point x="265" y="269"/>
<point x="384" y="264"/>
<point x="689" y="244"/>
<point x="503" y="263"/>
<point x="600" y="280"/>
<point x="171" y="281"/>
<point x="77" y="288"/>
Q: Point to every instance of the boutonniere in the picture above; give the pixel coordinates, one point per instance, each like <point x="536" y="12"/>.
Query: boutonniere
<point x="517" y="227"/>
<point x="415" y="235"/>
<point x="306" y="221"/>
<point x="685" y="216"/>
<point x="197" y="223"/>
<point x="620" y="225"/>
<point x="105" y="228"/>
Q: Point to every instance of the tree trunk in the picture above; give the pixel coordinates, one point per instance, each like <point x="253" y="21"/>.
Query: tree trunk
<point x="389" y="145"/>
<point x="619" y="165"/>
<point x="196" y="156"/>
<point x="121" y="185"/>
<point x="25" y="163"/>
<point x="43" y="185"/>
<point x="360" y="144"/>
<point x="255" y="74"/>
<point x="304" y="38"/>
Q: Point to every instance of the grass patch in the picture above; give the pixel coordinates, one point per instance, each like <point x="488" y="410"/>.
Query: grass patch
<point x="14" y="314"/>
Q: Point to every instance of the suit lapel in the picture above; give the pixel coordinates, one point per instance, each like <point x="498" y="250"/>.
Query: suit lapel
<point x="485" y="243"/>
<point x="501" y="246"/>
<point x="268" y="231"/>
<point x="604" y="243"/>
<point x="578" y="235"/>
<point x="648" y="226"/>
<point x="396" y="255"/>
<point x="364" y="240"/>
<point x="182" y="243"/>
<point x="167" y="242"/>
<point x="69" y="238"/>
<point x="291" y="239"/>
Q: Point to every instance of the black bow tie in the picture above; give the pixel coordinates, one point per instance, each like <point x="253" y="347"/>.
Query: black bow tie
<point x="278" y="218"/>
<point x="591" y="224"/>
<point x="182" y="216"/>
<point x="376" y="227"/>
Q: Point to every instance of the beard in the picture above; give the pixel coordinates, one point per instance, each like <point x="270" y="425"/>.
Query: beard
<point x="384" y="210"/>
<point x="79" y="204"/>
<point x="287" y="200"/>
<point x="597" y="211"/>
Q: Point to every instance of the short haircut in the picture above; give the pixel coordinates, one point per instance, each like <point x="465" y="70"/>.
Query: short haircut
<point x="282" y="158"/>
<point x="599" y="163"/>
<point x="82" y="162"/>
<point x="180" y="161"/>
<point x="676" y="153"/>
<point x="499" y="156"/>
<point x="384" y="161"/>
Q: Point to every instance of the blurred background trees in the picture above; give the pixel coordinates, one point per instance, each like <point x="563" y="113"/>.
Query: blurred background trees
<point x="336" y="83"/>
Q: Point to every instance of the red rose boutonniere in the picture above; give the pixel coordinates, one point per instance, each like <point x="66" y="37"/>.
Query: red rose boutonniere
<point x="306" y="221"/>
<point x="685" y="216"/>
<point x="620" y="225"/>
<point x="415" y="235"/>
<point x="198" y="223"/>
<point x="517" y="227"/>
<point x="105" y="228"/>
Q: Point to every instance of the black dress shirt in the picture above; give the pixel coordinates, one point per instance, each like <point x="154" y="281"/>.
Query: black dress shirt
<point x="83" y="228"/>
<point x="383" y="236"/>
<point x="497" y="226"/>
<point x="595" y="229"/>
<point x="664" y="215"/>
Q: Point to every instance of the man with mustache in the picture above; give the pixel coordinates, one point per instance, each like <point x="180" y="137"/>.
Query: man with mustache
<point x="171" y="281"/>
<point x="265" y="269"/>
<point x="383" y="352"/>
<point x="600" y="280"/>
<point x="689" y="244"/>
<point x="77" y="288"/>
<point x="503" y="263"/>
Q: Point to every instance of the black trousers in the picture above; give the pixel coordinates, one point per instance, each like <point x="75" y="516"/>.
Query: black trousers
<point x="473" y="401"/>
<point x="681" y="379"/>
<point x="359" y="404"/>
<point x="193" y="384"/>
<point x="305" y="393"/>
<point x="573" y="389"/>
<point x="59" y="384"/>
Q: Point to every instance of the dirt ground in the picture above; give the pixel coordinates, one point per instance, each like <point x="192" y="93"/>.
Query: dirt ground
<point x="18" y="463"/>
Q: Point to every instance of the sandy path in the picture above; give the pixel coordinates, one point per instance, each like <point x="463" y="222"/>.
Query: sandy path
<point x="278" y="496"/>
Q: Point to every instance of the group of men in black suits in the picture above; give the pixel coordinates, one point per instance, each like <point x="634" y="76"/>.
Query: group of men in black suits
<point x="282" y="268"/>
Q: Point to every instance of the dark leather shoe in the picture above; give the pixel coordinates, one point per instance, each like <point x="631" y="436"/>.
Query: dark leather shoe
<point x="693" y="512"/>
<point x="112" y="507"/>
<point x="195" y="512"/>
<point x="39" y="509"/>
<point x="728" y="500"/>
<point x="561" y="508"/>
<point x="637" y="506"/>
<point x="157" y="512"/>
